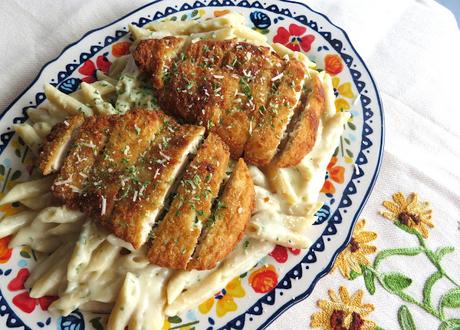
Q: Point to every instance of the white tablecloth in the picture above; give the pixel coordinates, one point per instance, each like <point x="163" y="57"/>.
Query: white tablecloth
<point x="413" y="50"/>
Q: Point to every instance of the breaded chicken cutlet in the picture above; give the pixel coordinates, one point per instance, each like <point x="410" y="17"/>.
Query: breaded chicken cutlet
<point x="246" y="94"/>
<point x="146" y="178"/>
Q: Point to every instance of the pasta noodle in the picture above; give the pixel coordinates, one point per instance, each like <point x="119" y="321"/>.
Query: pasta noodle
<point x="29" y="135"/>
<point x="65" y="102"/>
<point x="10" y="225"/>
<point x="28" y="189"/>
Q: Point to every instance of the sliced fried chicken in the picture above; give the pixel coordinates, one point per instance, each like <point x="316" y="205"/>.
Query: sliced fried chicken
<point x="175" y="238"/>
<point x="130" y="136"/>
<point x="154" y="56"/>
<point x="244" y="93"/>
<point x="89" y="141"/>
<point x="225" y="227"/>
<point x="142" y="198"/>
<point x="266" y="137"/>
<point x="58" y="143"/>
<point x="302" y="135"/>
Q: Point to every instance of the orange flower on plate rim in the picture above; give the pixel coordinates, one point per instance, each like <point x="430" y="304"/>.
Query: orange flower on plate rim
<point x="333" y="64"/>
<point x="334" y="174"/>
<point x="263" y="279"/>
<point x="5" y="251"/>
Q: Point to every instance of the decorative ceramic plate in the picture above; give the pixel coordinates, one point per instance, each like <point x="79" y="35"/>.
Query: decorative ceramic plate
<point x="260" y="296"/>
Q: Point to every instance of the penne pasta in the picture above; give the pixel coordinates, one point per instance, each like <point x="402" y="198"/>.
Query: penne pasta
<point x="29" y="189"/>
<point x="28" y="134"/>
<point x="126" y="303"/>
<point x="94" y="98"/>
<point x="66" y="102"/>
<point x="242" y="259"/>
<point x="12" y="224"/>
<point x="40" y="202"/>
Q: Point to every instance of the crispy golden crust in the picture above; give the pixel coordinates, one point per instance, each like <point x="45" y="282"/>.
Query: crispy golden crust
<point x="223" y="85"/>
<point x="176" y="236"/>
<point x="263" y="143"/>
<point x="89" y="141"/>
<point x="192" y="90"/>
<point x="225" y="228"/>
<point x="303" y="134"/>
<point x="57" y="143"/>
<point x="154" y="56"/>
<point x="144" y="196"/>
<point x="130" y="136"/>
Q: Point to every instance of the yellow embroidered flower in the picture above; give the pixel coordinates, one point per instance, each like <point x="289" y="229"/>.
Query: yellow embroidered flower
<point x="343" y="312"/>
<point x="225" y="302"/>
<point x="355" y="253"/>
<point x="344" y="90"/>
<point x="410" y="212"/>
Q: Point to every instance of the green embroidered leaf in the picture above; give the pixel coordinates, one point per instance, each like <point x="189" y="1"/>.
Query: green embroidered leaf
<point x="451" y="324"/>
<point x="393" y="252"/>
<point x="428" y="286"/>
<point x="368" y="279"/>
<point x="451" y="299"/>
<point x="354" y="275"/>
<point x="442" y="251"/>
<point x="406" y="322"/>
<point x="396" y="282"/>
<point x="96" y="323"/>
<point x="174" y="319"/>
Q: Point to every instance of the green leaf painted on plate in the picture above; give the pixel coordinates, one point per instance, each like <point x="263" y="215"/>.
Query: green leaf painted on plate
<point x="17" y="153"/>
<point x="194" y="13"/>
<point x="349" y="153"/>
<point x="184" y="17"/>
<point x="336" y="152"/>
<point x="396" y="282"/>
<point x="2" y="170"/>
<point x="174" y="319"/>
<point x="451" y="299"/>
<point x="351" y="125"/>
<point x="96" y="323"/>
<point x="25" y="254"/>
<point x="16" y="175"/>
<point x="406" y="322"/>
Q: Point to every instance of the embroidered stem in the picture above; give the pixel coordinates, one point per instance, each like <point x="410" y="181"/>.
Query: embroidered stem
<point x="404" y="296"/>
